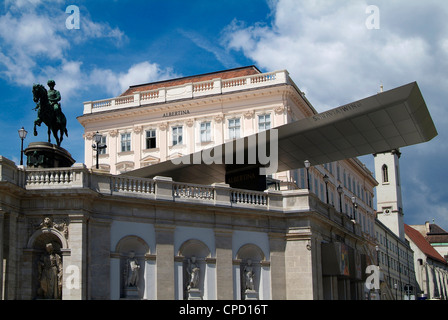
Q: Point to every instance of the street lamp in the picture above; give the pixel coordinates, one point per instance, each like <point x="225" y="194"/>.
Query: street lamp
<point x="98" y="146"/>
<point x="340" y="190"/>
<point x="377" y="249"/>
<point x="22" y="135"/>
<point x="326" y="179"/>
<point x="307" y="166"/>
<point x="355" y="205"/>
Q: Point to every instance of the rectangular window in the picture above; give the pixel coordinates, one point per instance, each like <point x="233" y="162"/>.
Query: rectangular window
<point x="206" y="132"/>
<point x="126" y="142"/>
<point x="234" y="128"/>
<point x="103" y="142"/>
<point x="177" y="135"/>
<point x="151" y="139"/>
<point x="264" y="122"/>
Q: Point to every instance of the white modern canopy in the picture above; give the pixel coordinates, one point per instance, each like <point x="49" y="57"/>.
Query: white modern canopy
<point x="388" y="120"/>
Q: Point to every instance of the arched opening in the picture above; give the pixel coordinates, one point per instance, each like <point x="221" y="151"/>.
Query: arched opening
<point x="251" y="273"/>
<point x="196" y="271"/>
<point x="131" y="252"/>
<point x="385" y="173"/>
<point x="47" y="265"/>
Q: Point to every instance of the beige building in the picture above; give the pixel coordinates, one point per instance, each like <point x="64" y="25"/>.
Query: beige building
<point x="156" y="122"/>
<point x="116" y="233"/>
<point x="431" y="268"/>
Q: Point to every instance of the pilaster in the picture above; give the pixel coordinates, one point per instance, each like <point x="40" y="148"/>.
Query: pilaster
<point x="75" y="261"/>
<point x="224" y="275"/>
<point x="165" y="262"/>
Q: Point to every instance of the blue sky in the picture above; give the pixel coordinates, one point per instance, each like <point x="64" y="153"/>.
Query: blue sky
<point x="329" y="51"/>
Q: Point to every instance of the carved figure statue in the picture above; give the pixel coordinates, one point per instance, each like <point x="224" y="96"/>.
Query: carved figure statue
<point x="193" y="271"/>
<point x="132" y="269"/>
<point x="249" y="276"/>
<point x="49" y="111"/>
<point x="50" y="274"/>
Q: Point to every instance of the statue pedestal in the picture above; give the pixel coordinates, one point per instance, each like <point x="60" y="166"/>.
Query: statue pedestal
<point x="194" y="294"/>
<point x="131" y="293"/>
<point x="47" y="155"/>
<point x="250" y="295"/>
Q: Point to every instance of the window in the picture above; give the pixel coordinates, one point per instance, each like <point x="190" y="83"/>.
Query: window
<point x="234" y="128"/>
<point x="151" y="139"/>
<point x="103" y="142"/>
<point x="126" y="142"/>
<point x="206" y="132"/>
<point x="385" y="174"/>
<point x="264" y="122"/>
<point x="177" y="135"/>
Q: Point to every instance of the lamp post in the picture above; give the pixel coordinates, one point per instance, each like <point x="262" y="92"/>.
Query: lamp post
<point x="98" y="146"/>
<point x="307" y="166"/>
<point x="355" y="205"/>
<point x="340" y="190"/>
<point x="22" y="135"/>
<point x="326" y="179"/>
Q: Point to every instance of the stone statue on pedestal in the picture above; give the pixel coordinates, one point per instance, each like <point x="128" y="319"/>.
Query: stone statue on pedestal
<point x="132" y="270"/>
<point x="50" y="274"/>
<point x="249" y="276"/>
<point x="193" y="271"/>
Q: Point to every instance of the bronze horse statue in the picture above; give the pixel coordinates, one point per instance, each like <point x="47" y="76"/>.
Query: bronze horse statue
<point x="49" y="112"/>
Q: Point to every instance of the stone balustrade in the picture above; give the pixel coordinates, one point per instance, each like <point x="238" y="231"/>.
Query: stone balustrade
<point x="189" y="90"/>
<point x="163" y="188"/>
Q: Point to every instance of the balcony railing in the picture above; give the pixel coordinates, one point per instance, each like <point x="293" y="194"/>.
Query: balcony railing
<point x="163" y="188"/>
<point x="189" y="90"/>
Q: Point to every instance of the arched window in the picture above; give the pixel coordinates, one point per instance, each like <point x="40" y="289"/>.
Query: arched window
<point x="385" y="174"/>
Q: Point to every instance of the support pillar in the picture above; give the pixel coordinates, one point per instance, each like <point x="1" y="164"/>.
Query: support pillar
<point x="165" y="262"/>
<point x="74" y="286"/>
<point x="224" y="274"/>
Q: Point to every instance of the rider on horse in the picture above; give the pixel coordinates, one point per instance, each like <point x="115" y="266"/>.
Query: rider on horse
<point x="54" y="96"/>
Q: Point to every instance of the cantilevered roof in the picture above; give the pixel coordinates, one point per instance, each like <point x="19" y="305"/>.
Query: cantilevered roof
<point x="382" y="122"/>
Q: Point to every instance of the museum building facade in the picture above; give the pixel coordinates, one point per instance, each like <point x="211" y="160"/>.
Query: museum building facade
<point x="115" y="236"/>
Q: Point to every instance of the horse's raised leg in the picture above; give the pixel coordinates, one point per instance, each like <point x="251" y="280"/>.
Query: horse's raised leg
<point x="55" y="134"/>
<point x="36" y="123"/>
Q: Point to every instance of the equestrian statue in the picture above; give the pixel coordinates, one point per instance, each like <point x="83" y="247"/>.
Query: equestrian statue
<point x="49" y="111"/>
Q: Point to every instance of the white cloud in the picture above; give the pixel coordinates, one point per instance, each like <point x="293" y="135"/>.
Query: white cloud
<point x="35" y="44"/>
<point x="117" y="82"/>
<point x="335" y="59"/>
<point x="328" y="49"/>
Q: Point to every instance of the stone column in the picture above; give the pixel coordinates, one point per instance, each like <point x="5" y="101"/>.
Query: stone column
<point x="99" y="259"/>
<point x="114" y="276"/>
<point x="150" y="277"/>
<point x="11" y="268"/>
<point x="277" y="246"/>
<point x="298" y="265"/>
<point x="165" y="261"/>
<point x="224" y="275"/>
<point x="76" y="262"/>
